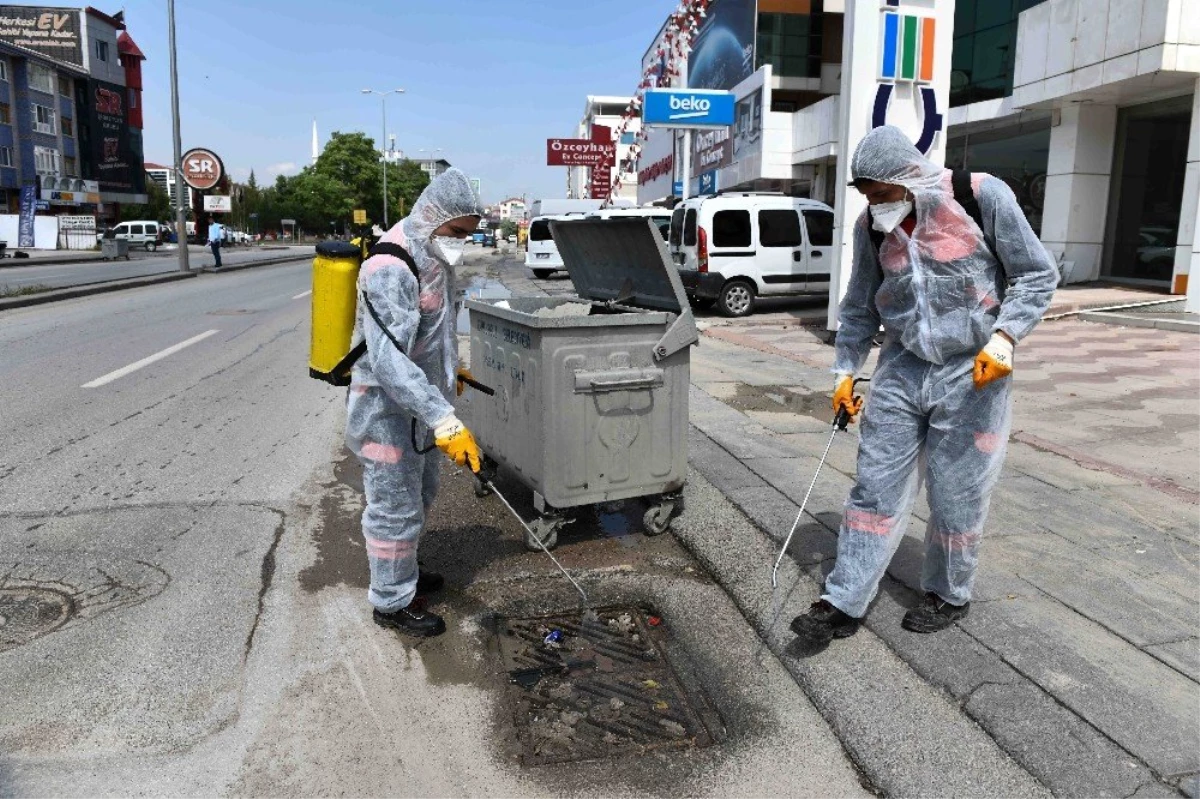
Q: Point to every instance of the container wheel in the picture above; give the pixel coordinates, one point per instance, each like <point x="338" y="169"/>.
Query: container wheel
<point x="546" y="529"/>
<point x="542" y="274"/>
<point x="151" y="246"/>
<point x="736" y="299"/>
<point x="657" y="520"/>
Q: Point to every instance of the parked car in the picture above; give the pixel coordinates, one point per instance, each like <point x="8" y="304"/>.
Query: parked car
<point x="143" y="233"/>
<point x="733" y="248"/>
<point x="541" y="253"/>
<point x="489" y="239"/>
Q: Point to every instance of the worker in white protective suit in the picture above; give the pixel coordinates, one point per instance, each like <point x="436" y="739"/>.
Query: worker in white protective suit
<point x="401" y="390"/>
<point x="953" y="299"/>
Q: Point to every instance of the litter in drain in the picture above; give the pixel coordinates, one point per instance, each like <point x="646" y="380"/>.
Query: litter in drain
<point x="26" y="613"/>
<point x="596" y="688"/>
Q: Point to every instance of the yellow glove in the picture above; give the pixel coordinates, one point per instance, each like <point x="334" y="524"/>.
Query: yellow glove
<point x="463" y="373"/>
<point x="843" y="397"/>
<point x="994" y="362"/>
<point x="454" y="439"/>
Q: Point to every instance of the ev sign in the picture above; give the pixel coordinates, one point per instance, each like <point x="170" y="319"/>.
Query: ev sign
<point x="688" y="108"/>
<point x="202" y="169"/>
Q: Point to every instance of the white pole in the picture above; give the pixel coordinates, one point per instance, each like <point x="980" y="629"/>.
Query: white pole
<point x="383" y="147"/>
<point x="687" y="164"/>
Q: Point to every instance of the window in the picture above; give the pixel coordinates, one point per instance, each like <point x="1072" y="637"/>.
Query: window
<point x="47" y="161"/>
<point x="70" y="167"/>
<point x="68" y="126"/>
<point x="43" y="119"/>
<point x="41" y="78"/>
<point x="676" y="227"/>
<point x="4" y="71"/>
<point x="779" y="228"/>
<point x="689" y="228"/>
<point x="731" y="229"/>
<point x="64" y="86"/>
<point x="136" y="230"/>
<point x="539" y="231"/>
<point x="6" y="156"/>
<point x="791" y="43"/>
<point x="5" y="114"/>
<point x="133" y="98"/>
<point x="102" y="51"/>
<point x="820" y="228"/>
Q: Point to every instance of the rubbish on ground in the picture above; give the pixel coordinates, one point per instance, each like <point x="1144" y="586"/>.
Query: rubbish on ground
<point x="623" y="623"/>
<point x="650" y="654"/>
<point x="616" y="704"/>
<point x="553" y="637"/>
<point x="591" y="617"/>
<point x="650" y="685"/>
<point x="673" y="727"/>
<point x="653" y="621"/>
<point x="660" y="705"/>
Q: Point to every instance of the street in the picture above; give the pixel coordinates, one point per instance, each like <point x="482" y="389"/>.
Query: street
<point x="184" y="579"/>
<point x="14" y="277"/>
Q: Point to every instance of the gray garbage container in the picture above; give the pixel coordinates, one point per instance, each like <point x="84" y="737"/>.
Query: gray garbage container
<point x="591" y="401"/>
<point x="114" y="248"/>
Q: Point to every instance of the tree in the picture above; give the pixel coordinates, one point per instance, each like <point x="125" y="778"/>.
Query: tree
<point x="508" y="228"/>
<point x="157" y="207"/>
<point x="406" y="181"/>
<point x="352" y="160"/>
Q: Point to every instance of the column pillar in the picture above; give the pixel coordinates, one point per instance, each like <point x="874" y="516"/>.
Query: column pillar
<point x="1078" y="178"/>
<point x="1187" y="251"/>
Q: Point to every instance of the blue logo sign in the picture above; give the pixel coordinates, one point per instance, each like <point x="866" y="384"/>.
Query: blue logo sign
<point x="907" y="56"/>
<point x="707" y="182"/>
<point x="677" y="188"/>
<point x="688" y="108"/>
<point x="25" y="220"/>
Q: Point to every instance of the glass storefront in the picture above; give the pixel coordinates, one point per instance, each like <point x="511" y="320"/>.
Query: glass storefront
<point x="791" y="42"/>
<point x="985" y="45"/>
<point x="1018" y="156"/>
<point x="1147" y="190"/>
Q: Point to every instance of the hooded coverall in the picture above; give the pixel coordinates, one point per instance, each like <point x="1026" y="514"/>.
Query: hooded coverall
<point x="939" y="294"/>
<point x="389" y="387"/>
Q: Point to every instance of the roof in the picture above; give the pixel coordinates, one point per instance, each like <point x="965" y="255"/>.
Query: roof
<point x="149" y="165"/>
<point x="127" y="46"/>
<point x="117" y="21"/>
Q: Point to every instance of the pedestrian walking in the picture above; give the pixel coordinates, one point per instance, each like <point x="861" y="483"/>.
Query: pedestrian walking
<point x="948" y="265"/>
<point x="401" y="391"/>
<point x="215" y="232"/>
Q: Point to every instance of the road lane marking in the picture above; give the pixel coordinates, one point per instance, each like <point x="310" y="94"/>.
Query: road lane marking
<point x="158" y="356"/>
<point x="302" y="295"/>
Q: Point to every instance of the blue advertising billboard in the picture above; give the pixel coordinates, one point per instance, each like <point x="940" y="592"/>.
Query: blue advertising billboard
<point x="723" y="54"/>
<point x="688" y="108"/>
<point x="25" y="220"/>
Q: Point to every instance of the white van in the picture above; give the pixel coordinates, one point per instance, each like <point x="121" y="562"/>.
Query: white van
<point x="733" y="248"/>
<point x="541" y="253"/>
<point x="661" y="217"/>
<point x="142" y="233"/>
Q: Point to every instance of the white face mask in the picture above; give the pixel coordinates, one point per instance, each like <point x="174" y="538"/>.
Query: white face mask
<point x="448" y="249"/>
<point x="886" y="216"/>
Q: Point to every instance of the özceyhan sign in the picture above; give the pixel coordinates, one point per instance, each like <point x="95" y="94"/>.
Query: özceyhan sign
<point x="580" y="152"/>
<point x="52" y="32"/>
<point x="202" y="169"/>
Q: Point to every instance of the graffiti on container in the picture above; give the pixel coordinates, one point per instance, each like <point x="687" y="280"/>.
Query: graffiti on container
<point x="505" y="334"/>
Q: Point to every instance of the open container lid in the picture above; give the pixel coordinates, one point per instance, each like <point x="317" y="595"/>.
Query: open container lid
<point x="622" y="259"/>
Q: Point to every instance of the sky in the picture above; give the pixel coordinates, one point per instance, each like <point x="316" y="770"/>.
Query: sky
<point x="486" y="83"/>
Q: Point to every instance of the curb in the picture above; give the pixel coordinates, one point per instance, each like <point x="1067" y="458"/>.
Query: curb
<point x="1130" y="320"/>
<point x="23" y="263"/>
<point x="75" y="292"/>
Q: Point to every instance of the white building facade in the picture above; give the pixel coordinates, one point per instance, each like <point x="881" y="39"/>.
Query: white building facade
<point x="1088" y="109"/>
<point x="607" y="112"/>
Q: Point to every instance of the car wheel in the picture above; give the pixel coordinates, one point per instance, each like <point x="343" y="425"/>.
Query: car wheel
<point x="151" y="246"/>
<point x="736" y="299"/>
<point x="542" y="274"/>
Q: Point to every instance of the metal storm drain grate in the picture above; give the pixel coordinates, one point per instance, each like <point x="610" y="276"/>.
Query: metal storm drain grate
<point x="26" y="613"/>
<point x="597" y="687"/>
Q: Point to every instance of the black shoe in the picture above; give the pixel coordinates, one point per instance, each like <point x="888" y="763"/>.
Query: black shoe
<point x="933" y="614"/>
<point x="412" y="621"/>
<point x="429" y="582"/>
<point x="823" y="623"/>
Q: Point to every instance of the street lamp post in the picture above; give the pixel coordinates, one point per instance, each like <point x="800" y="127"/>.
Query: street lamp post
<point x="383" y="144"/>
<point x="181" y="188"/>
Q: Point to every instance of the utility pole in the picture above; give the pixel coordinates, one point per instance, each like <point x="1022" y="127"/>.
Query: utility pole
<point x="181" y="188"/>
<point x="383" y="147"/>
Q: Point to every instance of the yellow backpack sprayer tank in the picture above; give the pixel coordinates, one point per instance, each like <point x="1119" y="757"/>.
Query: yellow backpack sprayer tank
<point x="335" y="279"/>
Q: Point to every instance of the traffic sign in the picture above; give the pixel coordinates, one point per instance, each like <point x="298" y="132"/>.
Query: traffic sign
<point x="688" y="108"/>
<point x="360" y="216"/>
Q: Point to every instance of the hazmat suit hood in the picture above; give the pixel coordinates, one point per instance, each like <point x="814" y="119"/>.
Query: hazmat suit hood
<point x="887" y="155"/>
<point x="448" y="196"/>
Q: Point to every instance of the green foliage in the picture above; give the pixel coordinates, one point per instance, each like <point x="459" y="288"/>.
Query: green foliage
<point x="508" y="228"/>
<point x="346" y="176"/>
<point x="157" y="207"/>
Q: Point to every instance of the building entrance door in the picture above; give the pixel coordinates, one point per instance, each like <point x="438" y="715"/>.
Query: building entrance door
<point x="1147" y="191"/>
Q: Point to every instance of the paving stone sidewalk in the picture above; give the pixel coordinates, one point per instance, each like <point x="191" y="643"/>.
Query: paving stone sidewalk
<point x="1081" y="655"/>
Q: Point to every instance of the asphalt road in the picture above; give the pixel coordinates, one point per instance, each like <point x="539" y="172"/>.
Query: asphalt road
<point x="183" y="580"/>
<point x="140" y="264"/>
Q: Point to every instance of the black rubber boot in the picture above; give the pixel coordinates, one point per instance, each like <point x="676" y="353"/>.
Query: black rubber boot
<point x="412" y="620"/>
<point x="823" y="623"/>
<point x="933" y="614"/>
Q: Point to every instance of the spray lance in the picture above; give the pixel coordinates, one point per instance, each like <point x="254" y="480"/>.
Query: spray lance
<point x="841" y="421"/>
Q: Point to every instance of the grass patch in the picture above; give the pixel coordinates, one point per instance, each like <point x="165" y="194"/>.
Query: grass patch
<point x="23" y="291"/>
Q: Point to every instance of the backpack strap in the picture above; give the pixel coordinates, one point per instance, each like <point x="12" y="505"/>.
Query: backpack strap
<point x="396" y="251"/>
<point x="341" y="372"/>
<point x="964" y="195"/>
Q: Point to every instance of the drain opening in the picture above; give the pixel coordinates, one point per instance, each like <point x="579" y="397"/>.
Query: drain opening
<point x="600" y="688"/>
